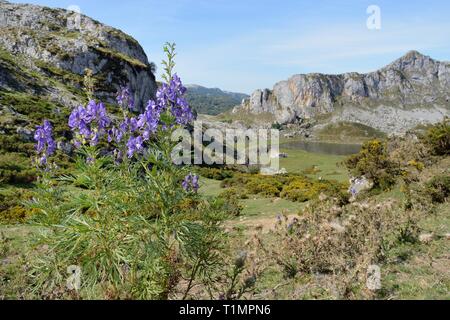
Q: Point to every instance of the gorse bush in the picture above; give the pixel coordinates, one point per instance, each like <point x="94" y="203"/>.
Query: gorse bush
<point x="296" y="188"/>
<point x="126" y="216"/>
<point x="438" y="188"/>
<point x="214" y="173"/>
<point x="373" y="161"/>
<point x="12" y="210"/>
<point x="15" y="168"/>
<point x="438" y="138"/>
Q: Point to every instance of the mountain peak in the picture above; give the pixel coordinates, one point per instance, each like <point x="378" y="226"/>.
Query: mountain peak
<point x="59" y="46"/>
<point x="412" y="90"/>
<point x="414" y="55"/>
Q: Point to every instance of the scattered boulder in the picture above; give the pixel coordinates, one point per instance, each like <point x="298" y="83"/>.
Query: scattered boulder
<point x="26" y="135"/>
<point x="358" y="185"/>
<point x="269" y="171"/>
<point x="426" y="237"/>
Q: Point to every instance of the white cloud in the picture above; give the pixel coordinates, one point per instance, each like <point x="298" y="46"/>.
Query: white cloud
<point x="259" y="59"/>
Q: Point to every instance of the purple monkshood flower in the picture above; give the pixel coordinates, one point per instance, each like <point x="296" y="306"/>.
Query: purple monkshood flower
<point x="134" y="145"/>
<point x="170" y="96"/>
<point x="125" y="98"/>
<point x="89" y="123"/>
<point x="97" y="114"/>
<point x="190" y="183"/>
<point x="45" y="144"/>
<point x="149" y="120"/>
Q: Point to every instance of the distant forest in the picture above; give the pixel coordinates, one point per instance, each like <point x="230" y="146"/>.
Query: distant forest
<point x="212" y="101"/>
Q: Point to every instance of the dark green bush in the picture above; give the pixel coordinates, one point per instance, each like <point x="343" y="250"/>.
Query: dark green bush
<point x="12" y="143"/>
<point x="439" y="188"/>
<point x="373" y="162"/>
<point x="438" y="138"/>
<point x="15" y="168"/>
<point x="11" y="209"/>
<point x="277" y="126"/>
<point x="214" y="173"/>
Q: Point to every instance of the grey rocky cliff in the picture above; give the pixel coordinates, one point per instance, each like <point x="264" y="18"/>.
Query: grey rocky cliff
<point x="59" y="44"/>
<point x="414" y="89"/>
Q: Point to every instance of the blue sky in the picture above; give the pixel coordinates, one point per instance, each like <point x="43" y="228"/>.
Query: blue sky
<point x="242" y="45"/>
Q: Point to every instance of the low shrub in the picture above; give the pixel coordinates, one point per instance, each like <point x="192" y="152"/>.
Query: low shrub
<point x="15" y="168"/>
<point x="12" y="211"/>
<point x="439" y="188"/>
<point x="296" y="188"/>
<point x="234" y="193"/>
<point x="332" y="246"/>
<point x="299" y="191"/>
<point x="438" y="138"/>
<point x="374" y="163"/>
<point x="214" y="173"/>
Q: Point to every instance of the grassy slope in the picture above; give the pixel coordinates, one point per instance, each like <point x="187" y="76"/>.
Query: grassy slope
<point x="259" y="212"/>
<point x="326" y="166"/>
<point x="297" y="162"/>
<point x="425" y="272"/>
<point x="347" y="132"/>
<point x="421" y="273"/>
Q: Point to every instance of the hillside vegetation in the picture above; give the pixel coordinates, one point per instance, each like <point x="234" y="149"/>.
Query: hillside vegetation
<point x="212" y="101"/>
<point x="317" y="242"/>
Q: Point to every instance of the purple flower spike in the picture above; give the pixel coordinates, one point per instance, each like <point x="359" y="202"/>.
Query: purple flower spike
<point x="89" y="124"/>
<point x="170" y="96"/>
<point x="190" y="183"/>
<point x="125" y="98"/>
<point x="45" y="144"/>
<point x="134" y="145"/>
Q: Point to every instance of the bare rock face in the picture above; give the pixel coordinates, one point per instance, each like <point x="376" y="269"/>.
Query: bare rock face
<point x="55" y="45"/>
<point x="412" y="90"/>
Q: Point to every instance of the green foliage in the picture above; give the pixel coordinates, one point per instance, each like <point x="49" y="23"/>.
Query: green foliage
<point x="121" y="56"/>
<point x="11" y="209"/>
<point x="169" y="64"/>
<point x="212" y="101"/>
<point x="296" y="188"/>
<point x="229" y="200"/>
<point x="131" y="227"/>
<point x="348" y="131"/>
<point x="373" y="162"/>
<point x="235" y="193"/>
<point x="36" y="108"/>
<point x="277" y="126"/>
<point x="214" y="173"/>
<point x="439" y="188"/>
<point x="438" y="138"/>
<point x="15" y="168"/>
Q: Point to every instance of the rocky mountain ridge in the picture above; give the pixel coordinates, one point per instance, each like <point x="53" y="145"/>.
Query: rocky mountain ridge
<point x="44" y="57"/>
<point x="412" y="90"/>
<point x="56" y="46"/>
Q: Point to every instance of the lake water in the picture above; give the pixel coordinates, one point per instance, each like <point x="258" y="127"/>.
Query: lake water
<point x="337" y="149"/>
